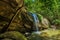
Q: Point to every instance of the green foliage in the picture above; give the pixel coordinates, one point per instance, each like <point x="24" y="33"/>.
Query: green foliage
<point x="56" y="22"/>
<point x="40" y="17"/>
<point x="48" y="8"/>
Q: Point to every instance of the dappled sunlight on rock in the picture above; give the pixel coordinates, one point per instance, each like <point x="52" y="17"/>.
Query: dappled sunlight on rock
<point x="46" y="35"/>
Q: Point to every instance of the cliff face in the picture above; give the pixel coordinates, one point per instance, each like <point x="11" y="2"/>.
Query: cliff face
<point x="13" y="16"/>
<point x="6" y="13"/>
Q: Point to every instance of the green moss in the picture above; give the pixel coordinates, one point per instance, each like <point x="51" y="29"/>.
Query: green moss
<point x="46" y="35"/>
<point x="13" y="35"/>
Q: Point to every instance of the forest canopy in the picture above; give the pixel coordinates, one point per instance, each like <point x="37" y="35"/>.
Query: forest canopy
<point x="50" y="9"/>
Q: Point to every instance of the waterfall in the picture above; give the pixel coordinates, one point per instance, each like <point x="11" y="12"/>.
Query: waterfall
<point x="36" y="22"/>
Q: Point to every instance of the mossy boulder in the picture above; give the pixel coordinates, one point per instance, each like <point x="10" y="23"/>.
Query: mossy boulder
<point x="12" y="35"/>
<point x="46" y="35"/>
<point x="44" y="22"/>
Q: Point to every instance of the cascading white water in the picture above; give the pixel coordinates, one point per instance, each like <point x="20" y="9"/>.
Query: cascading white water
<point x="36" y="22"/>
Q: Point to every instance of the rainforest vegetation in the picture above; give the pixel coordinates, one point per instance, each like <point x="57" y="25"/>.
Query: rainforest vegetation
<point x="29" y="19"/>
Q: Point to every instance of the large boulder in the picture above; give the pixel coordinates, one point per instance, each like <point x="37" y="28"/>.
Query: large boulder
<point x="44" y="23"/>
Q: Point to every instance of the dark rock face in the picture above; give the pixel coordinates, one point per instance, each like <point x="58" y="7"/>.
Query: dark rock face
<point x="14" y="16"/>
<point x="6" y="13"/>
